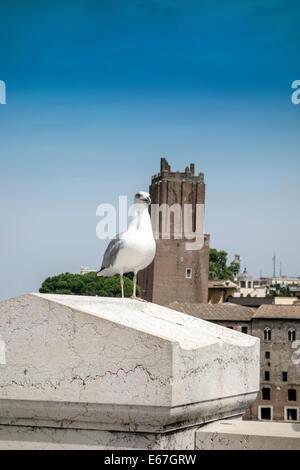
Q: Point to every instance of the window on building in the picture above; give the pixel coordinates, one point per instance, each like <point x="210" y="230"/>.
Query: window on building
<point x="249" y="284"/>
<point x="267" y="375"/>
<point x="291" y="414"/>
<point x="188" y="273"/>
<point x="265" y="413"/>
<point x="267" y="354"/>
<point x="267" y="334"/>
<point x="292" y="394"/>
<point x="243" y="284"/>
<point x="291" y="334"/>
<point x="284" y="376"/>
<point x="266" y="393"/>
<point x="245" y="329"/>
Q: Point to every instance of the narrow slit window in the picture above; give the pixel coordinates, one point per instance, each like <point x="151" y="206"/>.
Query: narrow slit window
<point x="188" y="273"/>
<point x="291" y="334"/>
<point x="267" y="375"/>
<point x="284" y="376"/>
<point x="267" y="334"/>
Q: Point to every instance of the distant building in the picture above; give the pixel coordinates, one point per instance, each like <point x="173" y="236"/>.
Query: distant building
<point x="85" y="270"/>
<point x="294" y="290"/>
<point x="278" y="327"/>
<point x="290" y="283"/>
<point x="220" y="290"/>
<point x="176" y="273"/>
<point x="285" y="281"/>
<point x="256" y="302"/>
<point x="247" y="288"/>
<point x="224" y="314"/>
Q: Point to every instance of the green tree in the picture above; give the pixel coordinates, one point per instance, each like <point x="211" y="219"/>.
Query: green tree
<point x="218" y="268"/>
<point x="87" y="284"/>
<point x="279" y="291"/>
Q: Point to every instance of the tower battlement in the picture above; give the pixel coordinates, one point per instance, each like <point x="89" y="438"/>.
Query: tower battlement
<point x="166" y="173"/>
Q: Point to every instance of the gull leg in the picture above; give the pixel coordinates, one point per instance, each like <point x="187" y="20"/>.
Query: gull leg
<point x="134" y="290"/>
<point x="134" y="285"/>
<point x="122" y="285"/>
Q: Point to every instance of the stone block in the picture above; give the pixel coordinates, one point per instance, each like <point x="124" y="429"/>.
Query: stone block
<point x="119" y="365"/>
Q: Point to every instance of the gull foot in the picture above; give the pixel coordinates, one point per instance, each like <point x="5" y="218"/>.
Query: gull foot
<point x="138" y="298"/>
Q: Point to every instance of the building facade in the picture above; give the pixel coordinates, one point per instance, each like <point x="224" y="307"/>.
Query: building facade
<point x="247" y="288"/>
<point x="220" y="290"/>
<point x="278" y="328"/>
<point x="177" y="273"/>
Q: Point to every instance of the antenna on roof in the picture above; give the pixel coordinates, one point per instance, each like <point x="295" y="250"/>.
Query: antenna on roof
<point x="274" y="265"/>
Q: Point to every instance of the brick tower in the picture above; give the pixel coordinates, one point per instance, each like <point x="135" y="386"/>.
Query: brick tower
<point x="176" y="272"/>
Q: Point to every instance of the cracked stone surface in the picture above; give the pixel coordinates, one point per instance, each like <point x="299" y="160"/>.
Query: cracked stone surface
<point x="34" y="438"/>
<point x="119" y="365"/>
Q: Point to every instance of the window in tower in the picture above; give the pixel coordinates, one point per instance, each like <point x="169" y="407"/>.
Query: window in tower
<point x="188" y="273"/>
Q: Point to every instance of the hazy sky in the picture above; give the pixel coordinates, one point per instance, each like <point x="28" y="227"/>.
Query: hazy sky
<point x="98" y="91"/>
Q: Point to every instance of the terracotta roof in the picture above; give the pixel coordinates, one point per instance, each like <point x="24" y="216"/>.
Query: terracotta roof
<point x="214" y="312"/>
<point x="291" y="312"/>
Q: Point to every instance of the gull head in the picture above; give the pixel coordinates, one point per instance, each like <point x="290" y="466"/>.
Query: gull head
<point x="142" y="197"/>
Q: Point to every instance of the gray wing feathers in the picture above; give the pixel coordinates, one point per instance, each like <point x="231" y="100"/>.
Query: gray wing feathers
<point x="111" y="252"/>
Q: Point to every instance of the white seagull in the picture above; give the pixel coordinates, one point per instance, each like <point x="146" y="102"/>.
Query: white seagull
<point x="134" y="249"/>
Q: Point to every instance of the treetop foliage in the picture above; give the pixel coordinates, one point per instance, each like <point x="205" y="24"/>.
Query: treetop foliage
<point x="87" y="284"/>
<point x="218" y="268"/>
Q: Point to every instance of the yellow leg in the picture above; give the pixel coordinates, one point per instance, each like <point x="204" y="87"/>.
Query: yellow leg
<point x="122" y="285"/>
<point x="134" y="291"/>
<point x="134" y="285"/>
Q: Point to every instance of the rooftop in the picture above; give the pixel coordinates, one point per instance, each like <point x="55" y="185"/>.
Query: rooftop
<point x="251" y="301"/>
<point x="291" y="312"/>
<point x="214" y="312"/>
<point x="220" y="283"/>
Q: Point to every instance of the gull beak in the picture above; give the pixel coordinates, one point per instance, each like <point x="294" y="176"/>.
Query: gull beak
<point x="148" y="200"/>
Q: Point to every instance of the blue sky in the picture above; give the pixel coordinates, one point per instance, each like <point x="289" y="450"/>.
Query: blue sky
<point x="98" y="91"/>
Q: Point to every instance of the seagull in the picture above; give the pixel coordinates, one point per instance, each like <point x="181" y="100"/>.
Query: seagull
<point x="134" y="249"/>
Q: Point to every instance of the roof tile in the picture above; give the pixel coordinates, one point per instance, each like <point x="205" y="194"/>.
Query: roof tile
<point x="214" y="312"/>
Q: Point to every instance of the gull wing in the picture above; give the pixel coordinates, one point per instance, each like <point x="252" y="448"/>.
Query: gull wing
<point x="111" y="252"/>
